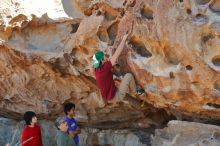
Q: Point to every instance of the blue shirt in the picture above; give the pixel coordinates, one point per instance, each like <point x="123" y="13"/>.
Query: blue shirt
<point x="72" y="126"/>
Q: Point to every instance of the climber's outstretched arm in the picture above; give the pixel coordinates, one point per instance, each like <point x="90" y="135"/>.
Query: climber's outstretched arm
<point x="118" y="51"/>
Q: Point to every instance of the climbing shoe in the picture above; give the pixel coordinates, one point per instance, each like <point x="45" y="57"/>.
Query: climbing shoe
<point x="139" y="91"/>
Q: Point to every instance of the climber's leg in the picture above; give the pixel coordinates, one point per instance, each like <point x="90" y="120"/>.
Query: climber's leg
<point x="127" y="86"/>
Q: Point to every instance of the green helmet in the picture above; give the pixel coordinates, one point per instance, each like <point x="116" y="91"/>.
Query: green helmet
<point x="97" y="57"/>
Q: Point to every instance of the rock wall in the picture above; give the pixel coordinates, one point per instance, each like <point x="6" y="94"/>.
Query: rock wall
<point x="173" y="52"/>
<point x="187" y="133"/>
<point x="46" y="50"/>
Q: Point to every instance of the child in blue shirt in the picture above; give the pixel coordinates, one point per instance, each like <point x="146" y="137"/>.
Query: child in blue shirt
<point x="73" y="128"/>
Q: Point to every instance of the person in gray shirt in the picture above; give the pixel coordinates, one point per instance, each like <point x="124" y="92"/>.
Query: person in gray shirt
<point x="62" y="138"/>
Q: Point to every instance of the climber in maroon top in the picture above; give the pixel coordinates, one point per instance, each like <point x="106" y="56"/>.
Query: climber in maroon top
<point x="104" y="76"/>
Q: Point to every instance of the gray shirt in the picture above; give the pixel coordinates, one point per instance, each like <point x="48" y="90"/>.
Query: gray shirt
<point x="63" y="139"/>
